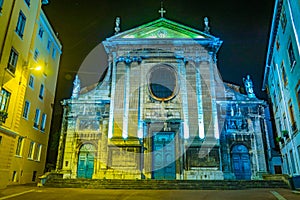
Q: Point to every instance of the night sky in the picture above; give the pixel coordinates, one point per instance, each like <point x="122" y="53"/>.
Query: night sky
<point x="242" y="25"/>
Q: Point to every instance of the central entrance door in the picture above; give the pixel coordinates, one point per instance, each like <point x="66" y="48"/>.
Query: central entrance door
<point x="241" y="162"/>
<point x="86" y="161"/>
<point x="163" y="155"/>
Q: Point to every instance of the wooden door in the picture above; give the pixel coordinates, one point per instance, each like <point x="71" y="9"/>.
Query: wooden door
<point x="164" y="166"/>
<point x="86" y="162"/>
<point x="241" y="162"/>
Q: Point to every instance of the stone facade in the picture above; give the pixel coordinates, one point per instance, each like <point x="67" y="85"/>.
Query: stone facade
<point x="162" y="112"/>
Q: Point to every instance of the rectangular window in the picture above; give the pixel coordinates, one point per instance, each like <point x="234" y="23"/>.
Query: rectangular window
<point x="292" y="57"/>
<point x="27" y="2"/>
<point x="31" y="150"/>
<point x="298" y="151"/>
<point x="287" y="164"/>
<point x="41" y="32"/>
<point x="31" y="81"/>
<point x="284" y="77"/>
<point x="34" y="174"/>
<point x="277" y="43"/>
<point x="0" y="139"/>
<point x="14" y="176"/>
<point x="4" y="100"/>
<point x="1" y="4"/>
<point x="19" y="146"/>
<point x="36" y="118"/>
<point x="13" y="59"/>
<point x="298" y="94"/>
<point x="38" y="152"/>
<point x="26" y="109"/>
<point x="49" y="45"/>
<point x="54" y="53"/>
<point x="21" y="24"/>
<point x="283" y="20"/>
<point x="43" y="123"/>
<point x="292" y="117"/>
<point x="36" y="54"/>
<point x="42" y="88"/>
<point x="292" y="161"/>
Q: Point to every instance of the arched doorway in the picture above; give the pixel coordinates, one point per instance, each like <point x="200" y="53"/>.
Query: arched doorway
<point x="241" y="162"/>
<point x="86" y="161"/>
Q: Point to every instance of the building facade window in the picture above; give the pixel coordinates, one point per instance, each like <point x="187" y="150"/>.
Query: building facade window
<point x="42" y="89"/>
<point x="31" y="150"/>
<point x="54" y="53"/>
<point x="31" y="81"/>
<point x="298" y="148"/>
<point x="283" y="20"/>
<point x="284" y="77"/>
<point x="27" y="2"/>
<point x="36" y="118"/>
<point x="49" y="45"/>
<point x="292" y="117"/>
<point x="21" y="24"/>
<point x="19" y="146"/>
<point x="36" y="54"/>
<point x="41" y="32"/>
<point x="13" y="59"/>
<point x="38" y="152"/>
<point x="26" y="109"/>
<point x="1" y="4"/>
<point x="43" y="123"/>
<point x="292" y="161"/>
<point x="287" y="164"/>
<point x="0" y="139"/>
<point x="277" y="43"/>
<point x="291" y="53"/>
<point x="14" y="176"/>
<point x="34" y="174"/>
<point x="4" y="100"/>
<point x="298" y="94"/>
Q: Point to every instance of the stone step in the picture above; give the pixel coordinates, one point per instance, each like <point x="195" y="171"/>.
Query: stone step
<point x="164" y="185"/>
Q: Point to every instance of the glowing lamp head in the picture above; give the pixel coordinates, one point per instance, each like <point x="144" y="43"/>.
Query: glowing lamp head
<point x="38" y="68"/>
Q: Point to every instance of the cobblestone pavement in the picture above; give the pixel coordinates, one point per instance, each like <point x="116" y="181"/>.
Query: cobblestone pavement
<point x="44" y="193"/>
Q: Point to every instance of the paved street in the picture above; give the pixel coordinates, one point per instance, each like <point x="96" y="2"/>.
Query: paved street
<point x="32" y="193"/>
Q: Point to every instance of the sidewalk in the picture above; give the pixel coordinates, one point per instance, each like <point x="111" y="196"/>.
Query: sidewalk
<point x="16" y="189"/>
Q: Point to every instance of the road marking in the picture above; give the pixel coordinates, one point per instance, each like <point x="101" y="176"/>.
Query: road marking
<point x="277" y="195"/>
<point x="14" y="195"/>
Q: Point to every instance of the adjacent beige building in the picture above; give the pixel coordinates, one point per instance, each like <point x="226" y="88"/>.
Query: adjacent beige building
<point x="29" y="61"/>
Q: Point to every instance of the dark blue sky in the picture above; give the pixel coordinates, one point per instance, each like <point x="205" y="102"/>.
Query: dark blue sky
<point x="242" y="25"/>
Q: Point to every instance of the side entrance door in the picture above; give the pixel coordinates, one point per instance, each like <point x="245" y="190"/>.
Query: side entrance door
<point x="163" y="156"/>
<point x="86" y="161"/>
<point x="241" y="162"/>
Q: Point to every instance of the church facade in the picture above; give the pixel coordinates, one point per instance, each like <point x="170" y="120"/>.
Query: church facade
<point x="162" y="112"/>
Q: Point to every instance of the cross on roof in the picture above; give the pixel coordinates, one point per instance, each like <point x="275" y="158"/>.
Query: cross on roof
<point x="162" y="11"/>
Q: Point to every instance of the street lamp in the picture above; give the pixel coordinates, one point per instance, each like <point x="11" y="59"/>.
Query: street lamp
<point x="37" y="68"/>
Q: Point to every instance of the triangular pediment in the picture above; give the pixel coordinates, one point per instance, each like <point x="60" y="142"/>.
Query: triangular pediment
<point x="163" y="28"/>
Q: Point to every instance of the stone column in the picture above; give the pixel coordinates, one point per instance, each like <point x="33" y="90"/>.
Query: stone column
<point x="126" y="95"/>
<point x="134" y="99"/>
<point x="112" y="95"/>
<point x="191" y="90"/>
<point x="213" y="98"/>
<point x="183" y="91"/>
<point x="199" y="102"/>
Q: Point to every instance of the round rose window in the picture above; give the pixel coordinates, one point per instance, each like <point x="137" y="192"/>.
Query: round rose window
<point x="162" y="82"/>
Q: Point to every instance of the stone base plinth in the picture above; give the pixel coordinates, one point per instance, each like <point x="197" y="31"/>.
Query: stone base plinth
<point x="203" y="174"/>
